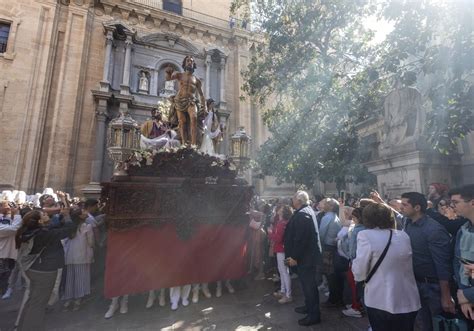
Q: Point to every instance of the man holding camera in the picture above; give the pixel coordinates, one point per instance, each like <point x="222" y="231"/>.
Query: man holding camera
<point x="302" y="252"/>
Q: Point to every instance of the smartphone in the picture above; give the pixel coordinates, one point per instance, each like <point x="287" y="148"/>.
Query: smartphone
<point x="343" y="195"/>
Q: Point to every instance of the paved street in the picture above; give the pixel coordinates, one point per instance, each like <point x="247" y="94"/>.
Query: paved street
<point x="252" y="307"/>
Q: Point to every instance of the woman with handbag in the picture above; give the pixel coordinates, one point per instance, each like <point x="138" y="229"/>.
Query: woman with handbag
<point x="384" y="261"/>
<point x="41" y="254"/>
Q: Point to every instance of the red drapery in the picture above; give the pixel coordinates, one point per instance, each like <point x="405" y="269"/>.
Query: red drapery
<point x="148" y="258"/>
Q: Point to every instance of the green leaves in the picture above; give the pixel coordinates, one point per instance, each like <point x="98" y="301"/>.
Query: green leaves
<point x="326" y="76"/>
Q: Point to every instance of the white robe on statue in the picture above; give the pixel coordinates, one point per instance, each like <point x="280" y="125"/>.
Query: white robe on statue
<point x="166" y="140"/>
<point x="207" y="146"/>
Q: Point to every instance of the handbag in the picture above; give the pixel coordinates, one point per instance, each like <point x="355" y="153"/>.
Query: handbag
<point x="442" y="323"/>
<point x="377" y="264"/>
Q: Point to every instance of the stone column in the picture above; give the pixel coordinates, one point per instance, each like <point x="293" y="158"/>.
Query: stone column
<point x="208" y="76"/>
<point x="101" y="115"/>
<point x="105" y="83"/>
<point x="125" y="87"/>
<point x="222" y="77"/>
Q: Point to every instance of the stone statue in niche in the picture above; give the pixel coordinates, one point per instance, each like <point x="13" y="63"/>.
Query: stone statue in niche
<point x="143" y="83"/>
<point x="403" y="116"/>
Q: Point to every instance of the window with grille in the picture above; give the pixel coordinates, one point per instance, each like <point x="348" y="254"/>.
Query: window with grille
<point x="174" y="6"/>
<point x="4" y="32"/>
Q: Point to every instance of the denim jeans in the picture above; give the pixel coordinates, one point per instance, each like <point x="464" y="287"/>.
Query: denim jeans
<point x="430" y="296"/>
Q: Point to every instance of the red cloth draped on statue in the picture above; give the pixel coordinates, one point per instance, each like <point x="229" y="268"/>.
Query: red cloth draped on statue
<point x="148" y="257"/>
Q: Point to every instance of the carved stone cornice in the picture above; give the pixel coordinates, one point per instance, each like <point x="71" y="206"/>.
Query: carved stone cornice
<point x="172" y="39"/>
<point x="149" y="17"/>
<point x="102" y="95"/>
<point x="123" y="98"/>
<point x="146" y="69"/>
<point x="79" y="3"/>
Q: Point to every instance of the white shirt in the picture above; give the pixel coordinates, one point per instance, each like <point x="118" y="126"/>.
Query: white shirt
<point x="392" y="288"/>
<point x="7" y="238"/>
<point x="79" y="250"/>
<point x="341" y="236"/>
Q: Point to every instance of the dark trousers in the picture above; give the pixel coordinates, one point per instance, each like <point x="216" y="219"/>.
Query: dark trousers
<point x="430" y="297"/>
<point x="336" y="279"/>
<point x="33" y="307"/>
<point x="6" y="268"/>
<point x="381" y="320"/>
<point x="307" y="276"/>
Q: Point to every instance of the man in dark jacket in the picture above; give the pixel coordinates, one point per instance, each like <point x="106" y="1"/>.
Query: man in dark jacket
<point x="303" y="252"/>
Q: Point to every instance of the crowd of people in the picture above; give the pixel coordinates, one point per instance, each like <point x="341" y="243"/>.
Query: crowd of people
<point x="398" y="261"/>
<point x="48" y="239"/>
<point x="401" y="262"/>
<point x="54" y="246"/>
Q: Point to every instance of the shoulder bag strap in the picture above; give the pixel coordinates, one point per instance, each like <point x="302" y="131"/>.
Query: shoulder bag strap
<point x="379" y="261"/>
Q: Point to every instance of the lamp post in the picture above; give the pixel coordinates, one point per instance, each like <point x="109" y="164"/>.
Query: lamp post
<point x="123" y="139"/>
<point x="240" y="142"/>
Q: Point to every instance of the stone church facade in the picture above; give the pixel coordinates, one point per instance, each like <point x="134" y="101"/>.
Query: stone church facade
<point x="68" y="66"/>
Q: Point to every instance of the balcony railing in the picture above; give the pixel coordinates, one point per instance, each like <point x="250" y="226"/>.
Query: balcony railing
<point x="198" y="16"/>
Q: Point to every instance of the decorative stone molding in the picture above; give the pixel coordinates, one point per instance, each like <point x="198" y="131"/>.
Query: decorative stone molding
<point x="172" y="39"/>
<point x="149" y="17"/>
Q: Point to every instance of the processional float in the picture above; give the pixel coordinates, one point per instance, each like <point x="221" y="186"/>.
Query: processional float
<point x="174" y="216"/>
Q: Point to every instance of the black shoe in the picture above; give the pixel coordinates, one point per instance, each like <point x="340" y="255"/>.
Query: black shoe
<point x="329" y="304"/>
<point x="309" y="321"/>
<point x="301" y="310"/>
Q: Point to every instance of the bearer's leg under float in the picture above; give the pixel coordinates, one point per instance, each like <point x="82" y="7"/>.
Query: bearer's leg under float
<point x="152" y="297"/>
<point x="162" y="301"/>
<point x="205" y="290"/>
<point x="179" y="292"/>
<point x="195" y="293"/>
<point x="228" y="285"/>
<point x="114" y="306"/>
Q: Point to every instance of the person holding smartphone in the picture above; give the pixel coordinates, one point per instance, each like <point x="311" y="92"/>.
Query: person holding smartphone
<point x="462" y="200"/>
